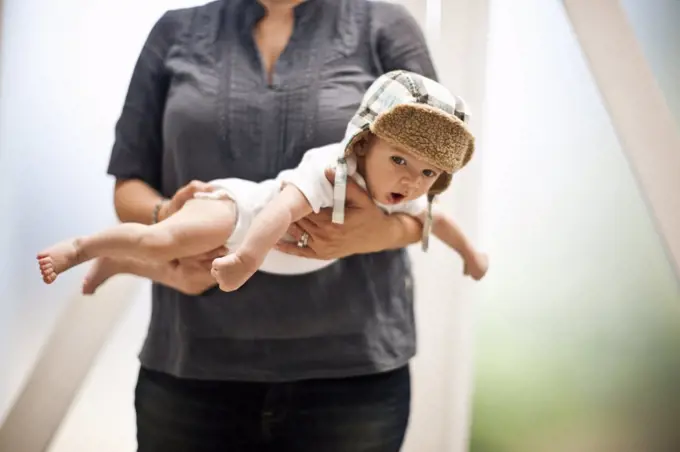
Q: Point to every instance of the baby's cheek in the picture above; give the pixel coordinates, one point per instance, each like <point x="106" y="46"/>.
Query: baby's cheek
<point x="373" y="187"/>
<point x="428" y="186"/>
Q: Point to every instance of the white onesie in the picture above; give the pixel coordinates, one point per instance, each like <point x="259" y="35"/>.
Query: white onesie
<point x="309" y="177"/>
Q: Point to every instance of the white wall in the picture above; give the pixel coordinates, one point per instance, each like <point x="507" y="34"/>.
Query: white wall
<point x="65" y="70"/>
<point x="62" y="90"/>
<point x="577" y="326"/>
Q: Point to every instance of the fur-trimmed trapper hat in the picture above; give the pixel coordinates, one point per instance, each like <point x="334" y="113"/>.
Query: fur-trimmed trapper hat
<point x="418" y="115"/>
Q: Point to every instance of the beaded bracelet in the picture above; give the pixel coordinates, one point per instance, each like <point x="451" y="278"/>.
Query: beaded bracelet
<point x="157" y="210"/>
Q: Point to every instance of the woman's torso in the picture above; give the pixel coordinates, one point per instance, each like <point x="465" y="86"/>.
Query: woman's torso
<point x="222" y="119"/>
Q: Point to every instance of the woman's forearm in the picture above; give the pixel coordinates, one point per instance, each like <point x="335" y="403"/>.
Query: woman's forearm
<point x="135" y="201"/>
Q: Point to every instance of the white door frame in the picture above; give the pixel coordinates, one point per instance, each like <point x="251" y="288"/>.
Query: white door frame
<point x="643" y="121"/>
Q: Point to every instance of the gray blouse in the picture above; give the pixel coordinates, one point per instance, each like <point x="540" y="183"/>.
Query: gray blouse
<point x="199" y="107"/>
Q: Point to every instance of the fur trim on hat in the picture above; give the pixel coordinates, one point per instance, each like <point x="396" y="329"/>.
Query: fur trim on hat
<point x="434" y="136"/>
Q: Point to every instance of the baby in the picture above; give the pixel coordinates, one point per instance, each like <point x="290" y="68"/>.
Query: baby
<point x="402" y="146"/>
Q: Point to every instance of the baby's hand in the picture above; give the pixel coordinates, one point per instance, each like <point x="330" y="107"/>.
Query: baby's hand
<point x="476" y="266"/>
<point x="231" y="272"/>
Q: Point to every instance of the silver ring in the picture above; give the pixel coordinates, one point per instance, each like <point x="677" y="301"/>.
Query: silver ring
<point x="304" y="238"/>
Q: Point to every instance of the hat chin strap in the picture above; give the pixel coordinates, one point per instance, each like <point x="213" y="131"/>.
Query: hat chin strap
<point x="427" y="226"/>
<point x="340" y="191"/>
<point x="440" y="185"/>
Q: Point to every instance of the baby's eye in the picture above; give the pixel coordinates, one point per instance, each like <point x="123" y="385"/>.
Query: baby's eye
<point x="398" y="160"/>
<point x="429" y="173"/>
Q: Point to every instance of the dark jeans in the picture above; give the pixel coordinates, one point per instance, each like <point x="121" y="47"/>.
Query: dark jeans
<point x="359" y="414"/>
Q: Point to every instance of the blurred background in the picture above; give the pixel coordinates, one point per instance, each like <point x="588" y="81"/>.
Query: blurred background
<point x="572" y="342"/>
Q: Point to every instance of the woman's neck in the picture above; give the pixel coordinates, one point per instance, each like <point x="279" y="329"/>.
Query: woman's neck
<point x="280" y="7"/>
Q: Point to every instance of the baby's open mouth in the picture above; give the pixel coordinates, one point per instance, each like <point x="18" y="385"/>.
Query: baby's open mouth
<point x="396" y="197"/>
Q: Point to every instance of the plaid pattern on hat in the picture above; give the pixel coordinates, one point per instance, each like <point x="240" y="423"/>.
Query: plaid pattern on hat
<point x="399" y="88"/>
<point x="418" y="115"/>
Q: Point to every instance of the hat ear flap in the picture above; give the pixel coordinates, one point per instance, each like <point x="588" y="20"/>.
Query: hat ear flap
<point x="364" y="134"/>
<point x="441" y="184"/>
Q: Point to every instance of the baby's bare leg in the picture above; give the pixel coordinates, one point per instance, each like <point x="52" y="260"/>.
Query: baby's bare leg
<point x="200" y="226"/>
<point x="189" y="281"/>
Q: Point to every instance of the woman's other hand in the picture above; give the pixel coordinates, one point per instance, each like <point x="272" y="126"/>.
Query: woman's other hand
<point x="366" y="229"/>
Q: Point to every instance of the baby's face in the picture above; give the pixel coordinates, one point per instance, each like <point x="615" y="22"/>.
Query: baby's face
<point x="394" y="175"/>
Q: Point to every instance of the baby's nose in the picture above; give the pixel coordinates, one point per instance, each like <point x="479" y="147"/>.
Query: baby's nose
<point x="413" y="181"/>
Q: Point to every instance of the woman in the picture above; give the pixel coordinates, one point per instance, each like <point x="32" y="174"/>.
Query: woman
<point x="319" y="362"/>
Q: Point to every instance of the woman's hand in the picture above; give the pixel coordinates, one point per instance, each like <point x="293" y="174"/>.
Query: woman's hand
<point x="203" y="261"/>
<point x="181" y="196"/>
<point x="367" y="229"/>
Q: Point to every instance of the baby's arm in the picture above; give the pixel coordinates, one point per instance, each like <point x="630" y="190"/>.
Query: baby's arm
<point x="272" y="222"/>
<point x="446" y="230"/>
<point x="233" y="270"/>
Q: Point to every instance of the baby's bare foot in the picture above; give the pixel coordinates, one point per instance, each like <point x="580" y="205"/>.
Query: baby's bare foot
<point x="102" y="269"/>
<point x="57" y="259"/>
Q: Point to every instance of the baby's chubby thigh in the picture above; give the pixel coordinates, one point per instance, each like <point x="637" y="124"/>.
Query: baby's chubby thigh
<point x="249" y="199"/>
